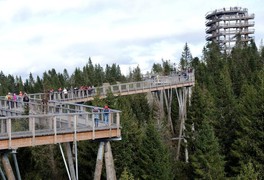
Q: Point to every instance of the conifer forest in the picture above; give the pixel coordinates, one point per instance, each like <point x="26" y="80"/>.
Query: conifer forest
<point x="224" y="134"/>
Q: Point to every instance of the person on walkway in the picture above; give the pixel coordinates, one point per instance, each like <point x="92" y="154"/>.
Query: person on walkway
<point x="20" y="98"/>
<point x="65" y="93"/>
<point x="25" y="102"/>
<point x="51" y="91"/>
<point x="60" y="92"/>
<point x="15" y="100"/>
<point x="9" y="99"/>
<point x="96" y="116"/>
<point x="25" y="99"/>
<point x="106" y="111"/>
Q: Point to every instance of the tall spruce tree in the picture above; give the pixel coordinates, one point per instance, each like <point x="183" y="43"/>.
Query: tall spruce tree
<point x="126" y="151"/>
<point x="249" y="145"/>
<point x="186" y="58"/>
<point x="206" y="161"/>
<point x="155" y="160"/>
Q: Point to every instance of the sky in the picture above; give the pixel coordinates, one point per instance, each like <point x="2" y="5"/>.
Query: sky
<point x="36" y="36"/>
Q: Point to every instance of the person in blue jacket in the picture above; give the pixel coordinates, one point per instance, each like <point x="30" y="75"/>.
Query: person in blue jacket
<point x="96" y="116"/>
<point x="106" y="111"/>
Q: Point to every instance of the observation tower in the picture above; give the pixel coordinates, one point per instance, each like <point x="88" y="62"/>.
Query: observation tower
<point x="228" y="25"/>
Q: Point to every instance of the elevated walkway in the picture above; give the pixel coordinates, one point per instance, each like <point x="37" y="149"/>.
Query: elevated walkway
<point x="62" y="119"/>
<point x="54" y="122"/>
<point x="148" y="85"/>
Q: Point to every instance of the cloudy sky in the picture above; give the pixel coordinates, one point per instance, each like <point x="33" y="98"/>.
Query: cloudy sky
<point x="36" y="36"/>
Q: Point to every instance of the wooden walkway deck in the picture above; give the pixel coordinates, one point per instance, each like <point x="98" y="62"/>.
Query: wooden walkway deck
<point x="62" y="120"/>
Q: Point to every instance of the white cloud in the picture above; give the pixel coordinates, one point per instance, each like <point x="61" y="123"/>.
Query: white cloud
<point x="40" y="35"/>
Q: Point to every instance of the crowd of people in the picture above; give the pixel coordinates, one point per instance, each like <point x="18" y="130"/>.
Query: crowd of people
<point x="13" y="100"/>
<point x="63" y="92"/>
<point x="21" y="100"/>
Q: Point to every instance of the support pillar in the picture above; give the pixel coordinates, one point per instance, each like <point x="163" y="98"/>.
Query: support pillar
<point x="182" y="98"/>
<point x="109" y="162"/>
<point x="161" y="98"/>
<point x="2" y="174"/>
<point x="16" y="164"/>
<point x="70" y="160"/>
<point x="7" y="166"/>
<point x="168" y="102"/>
<point x="158" y="99"/>
<point x="99" y="162"/>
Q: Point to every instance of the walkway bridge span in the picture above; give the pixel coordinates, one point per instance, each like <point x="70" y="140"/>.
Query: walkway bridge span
<point x="62" y="119"/>
<point x="36" y="123"/>
<point x="121" y="89"/>
<point x="52" y="123"/>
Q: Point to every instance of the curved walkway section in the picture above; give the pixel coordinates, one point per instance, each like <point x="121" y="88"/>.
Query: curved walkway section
<point x="149" y="84"/>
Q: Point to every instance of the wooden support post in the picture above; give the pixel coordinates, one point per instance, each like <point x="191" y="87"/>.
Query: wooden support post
<point x="2" y="174"/>
<point x="109" y="162"/>
<point x="99" y="162"/>
<point x="181" y="96"/>
<point x="70" y="160"/>
<point x="7" y="167"/>
<point x="168" y="102"/>
<point x="16" y="164"/>
<point x="158" y="99"/>
<point x="162" y="103"/>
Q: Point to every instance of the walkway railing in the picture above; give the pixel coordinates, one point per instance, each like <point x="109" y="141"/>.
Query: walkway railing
<point x="31" y="130"/>
<point x="148" y="84"/>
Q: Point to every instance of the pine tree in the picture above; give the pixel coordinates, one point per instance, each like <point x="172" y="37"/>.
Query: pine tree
<point x="249" y="145"/>
<point x="155" y="160"/>
<point x="126" y="175"/>
<point x="126" y="151"/>
<point x="156" y="68"/>
<point x="248" y="172"/>
<point x="206" y="161"/>
<point x="186" y="58"/>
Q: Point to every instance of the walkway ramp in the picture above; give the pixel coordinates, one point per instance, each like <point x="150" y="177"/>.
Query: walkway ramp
<point x="52" y="123"/>
<point x="150" y="84"/>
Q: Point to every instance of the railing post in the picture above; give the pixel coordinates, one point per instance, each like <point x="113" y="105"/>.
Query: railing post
<point x="32" y="120"/>
<point x="93" y="124"/>
<point x="9" y="132"/>
<point x="55" y="129"/>
<point x="75" y="146"/>
<point x="117" y="120"/>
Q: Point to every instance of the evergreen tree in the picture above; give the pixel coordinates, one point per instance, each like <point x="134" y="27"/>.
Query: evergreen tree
<point x="126" y="151"/>
<point x="126" y="175"/>
<point x="186" y="58"/>
<point x="249" y="145"/>
<point x="136" y="74"/>
<point x="155" y="160"/>
<point x="157" y="68"/>
<point x="247" y="172"/>
<point x="100" y="76"/>
<point x="206" y="161"/>
<point x="78" y="78"/>
<point x="39" y="85"/>
<point x="87" y="153"/>
<point x="167" y="67"/>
